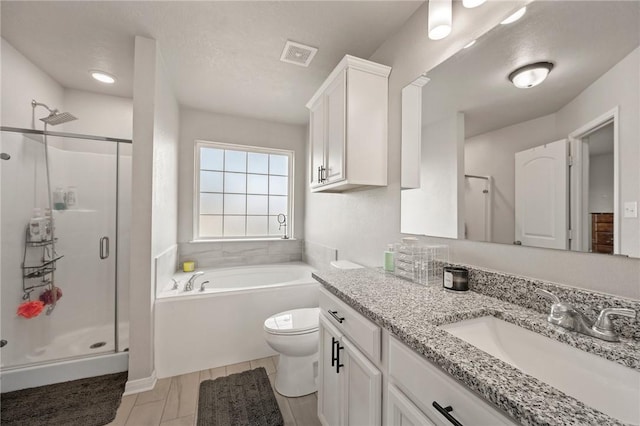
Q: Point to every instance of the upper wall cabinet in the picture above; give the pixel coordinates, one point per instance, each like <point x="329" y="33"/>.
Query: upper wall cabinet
<point x="348" y="127"/>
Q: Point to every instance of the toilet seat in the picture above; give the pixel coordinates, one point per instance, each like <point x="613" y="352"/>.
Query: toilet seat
<point x="293" y="322"/>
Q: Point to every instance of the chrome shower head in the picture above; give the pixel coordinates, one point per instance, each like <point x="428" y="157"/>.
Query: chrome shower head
<point x="56" y="118"/>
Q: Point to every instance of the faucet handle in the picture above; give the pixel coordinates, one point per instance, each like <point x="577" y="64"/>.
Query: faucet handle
<point x="603" y="323"/>
<point x="547" y="295"/>
<point x="203" y="285"/>
<point x="175" y="284"/>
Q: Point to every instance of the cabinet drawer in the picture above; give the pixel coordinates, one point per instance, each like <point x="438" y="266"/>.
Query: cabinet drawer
<point x="604" y="227"/>
<point x="425" y="384"/>
<point x="362" y="332"/>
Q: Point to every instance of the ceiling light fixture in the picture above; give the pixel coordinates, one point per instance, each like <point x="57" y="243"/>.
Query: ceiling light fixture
<point x="440" y="17"/>
<point x="470" y="4"/>
<point x="471" y="43"/>
<point x="515" y="16"/>
<point x="102" y="77"/>
<point x="530" y="75"/>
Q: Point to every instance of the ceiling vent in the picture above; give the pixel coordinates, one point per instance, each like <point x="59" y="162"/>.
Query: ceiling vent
<point x="296" y="53"/>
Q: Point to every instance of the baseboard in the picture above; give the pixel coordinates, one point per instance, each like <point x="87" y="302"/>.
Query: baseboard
<point x="140" y="385"/>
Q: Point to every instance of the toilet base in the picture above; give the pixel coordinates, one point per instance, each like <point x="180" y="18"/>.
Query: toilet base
<point x="297" y="376"/>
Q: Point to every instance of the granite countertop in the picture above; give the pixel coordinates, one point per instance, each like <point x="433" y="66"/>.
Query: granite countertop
<point x="413" y="313"/>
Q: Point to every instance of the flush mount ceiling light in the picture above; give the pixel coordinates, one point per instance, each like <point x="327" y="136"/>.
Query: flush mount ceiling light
<point x="530" y="75"/>
<point x="102" y="77"/>
<point x="439" y="19"/>
<point x="515" y="16"/>
<point x="470" y="4"/>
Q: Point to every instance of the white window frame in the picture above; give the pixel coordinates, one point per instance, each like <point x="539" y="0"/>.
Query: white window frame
<point x="246" y="148"/>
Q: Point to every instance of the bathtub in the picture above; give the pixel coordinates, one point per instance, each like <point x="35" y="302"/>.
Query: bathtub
<point x="223" y="324"/>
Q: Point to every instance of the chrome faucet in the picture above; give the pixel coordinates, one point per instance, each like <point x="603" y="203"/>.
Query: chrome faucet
<point x="567" y="316"/>
<point x="203" y="285"/>
<point x="189" y="285"/>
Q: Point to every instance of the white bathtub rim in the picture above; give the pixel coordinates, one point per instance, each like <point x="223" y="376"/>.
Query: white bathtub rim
<point x="182" y="277"/>
<point x="178" y="295"/>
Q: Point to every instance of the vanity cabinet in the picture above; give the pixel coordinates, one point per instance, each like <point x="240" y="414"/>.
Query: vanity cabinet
<point x="349" y="383"/>
<point x="348" y="127"/>
<point x="421" y="393"/>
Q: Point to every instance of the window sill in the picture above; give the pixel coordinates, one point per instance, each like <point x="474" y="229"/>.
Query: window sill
<point x="236" y="240"/>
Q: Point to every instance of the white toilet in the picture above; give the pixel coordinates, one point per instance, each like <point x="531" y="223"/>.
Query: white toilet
<point x="294" y="335"/>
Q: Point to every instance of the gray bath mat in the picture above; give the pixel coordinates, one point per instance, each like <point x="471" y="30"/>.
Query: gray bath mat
<point x="243" y="399"/>
<point x="85" y="402"/>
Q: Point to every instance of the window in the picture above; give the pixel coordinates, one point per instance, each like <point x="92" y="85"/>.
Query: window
<point x="240" y="191"/>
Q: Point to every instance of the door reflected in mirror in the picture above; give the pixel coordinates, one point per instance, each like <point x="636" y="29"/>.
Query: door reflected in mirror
<point x="550" y="166"/>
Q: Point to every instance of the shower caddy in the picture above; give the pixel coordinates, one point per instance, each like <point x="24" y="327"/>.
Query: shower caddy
<point x="42" y="270"/>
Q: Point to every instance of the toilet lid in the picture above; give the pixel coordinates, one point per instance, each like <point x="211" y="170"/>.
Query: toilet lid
<point x="296" y="321"/>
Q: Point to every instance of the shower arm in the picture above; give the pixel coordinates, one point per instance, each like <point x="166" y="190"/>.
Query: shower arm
<point x="35" y="104"/>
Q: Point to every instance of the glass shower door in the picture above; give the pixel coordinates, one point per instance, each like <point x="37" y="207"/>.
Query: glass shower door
<point x="84" y="176"/>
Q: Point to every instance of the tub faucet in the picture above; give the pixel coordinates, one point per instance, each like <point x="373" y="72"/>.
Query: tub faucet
<point x="567" y="316"/>
<point x="189" y="285"/>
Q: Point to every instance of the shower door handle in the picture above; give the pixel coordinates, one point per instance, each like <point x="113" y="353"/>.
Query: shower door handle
<point x="104" y="247"/>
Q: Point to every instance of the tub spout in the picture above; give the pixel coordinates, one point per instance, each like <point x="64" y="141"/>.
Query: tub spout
<point x="189" y="285"/>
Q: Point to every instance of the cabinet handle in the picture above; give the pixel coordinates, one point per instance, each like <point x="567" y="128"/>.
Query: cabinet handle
<point x="319" y="174"/>
<point x="333" y="351"/>
<point x="334" y="314"/>
<point x="338" y="363"/>
<point x="322" y="174"/>
<point x="445" y="412"/>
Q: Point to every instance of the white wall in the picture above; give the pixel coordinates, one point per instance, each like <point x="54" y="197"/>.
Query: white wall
<point x="492" y="154"/>
<point x="601" y="183"/>
<point x="154" y="200"/>
<point x="434" y="207"/>
<point x="360" y="224"/>
<point x="201" y="125"/>
<point x="22" y="81"/>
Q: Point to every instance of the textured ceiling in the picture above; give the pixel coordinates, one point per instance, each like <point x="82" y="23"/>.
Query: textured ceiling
<point x="583" y="39"/>
<point x="220" y="56"/>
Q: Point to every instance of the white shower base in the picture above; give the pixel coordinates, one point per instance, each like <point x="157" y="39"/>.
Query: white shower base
<point x="68" y="357"/>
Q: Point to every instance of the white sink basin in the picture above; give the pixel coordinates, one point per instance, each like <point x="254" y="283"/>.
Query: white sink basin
<point x="597" y="382"/>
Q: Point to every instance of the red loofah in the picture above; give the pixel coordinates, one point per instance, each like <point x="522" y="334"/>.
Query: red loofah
<point x="30" y="309"/>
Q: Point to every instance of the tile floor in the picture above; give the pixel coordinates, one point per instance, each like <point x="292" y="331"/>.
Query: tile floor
<point x="174" y="400"/>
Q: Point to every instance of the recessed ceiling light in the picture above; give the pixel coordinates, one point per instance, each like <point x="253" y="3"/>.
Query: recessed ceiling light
<point x="469" y="4"/>
<point x="515" y="16"/>
<point x="530" y="75"/>
<point x="471" y="43"/>
<point x="102" y="77"/>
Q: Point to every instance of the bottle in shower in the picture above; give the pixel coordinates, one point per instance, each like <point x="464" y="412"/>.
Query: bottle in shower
<point x="36" y="226"/>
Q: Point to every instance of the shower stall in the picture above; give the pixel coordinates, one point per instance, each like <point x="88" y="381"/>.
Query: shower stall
<point x="64" y="288"/>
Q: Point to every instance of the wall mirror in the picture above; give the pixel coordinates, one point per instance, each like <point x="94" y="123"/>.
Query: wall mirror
<point x="556" y="165"/>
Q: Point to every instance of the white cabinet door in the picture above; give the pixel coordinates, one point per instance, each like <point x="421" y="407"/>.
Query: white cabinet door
<point x="542" y="201"/>
<point x="335" y="98"/>
<point x="329" y="410"/>
<point x="316" y="136"/>
<point x="362" y="381"/>
<point x="402" y="412"/>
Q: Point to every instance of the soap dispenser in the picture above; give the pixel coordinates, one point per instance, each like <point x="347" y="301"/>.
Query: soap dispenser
<point x="389" y="259"/>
